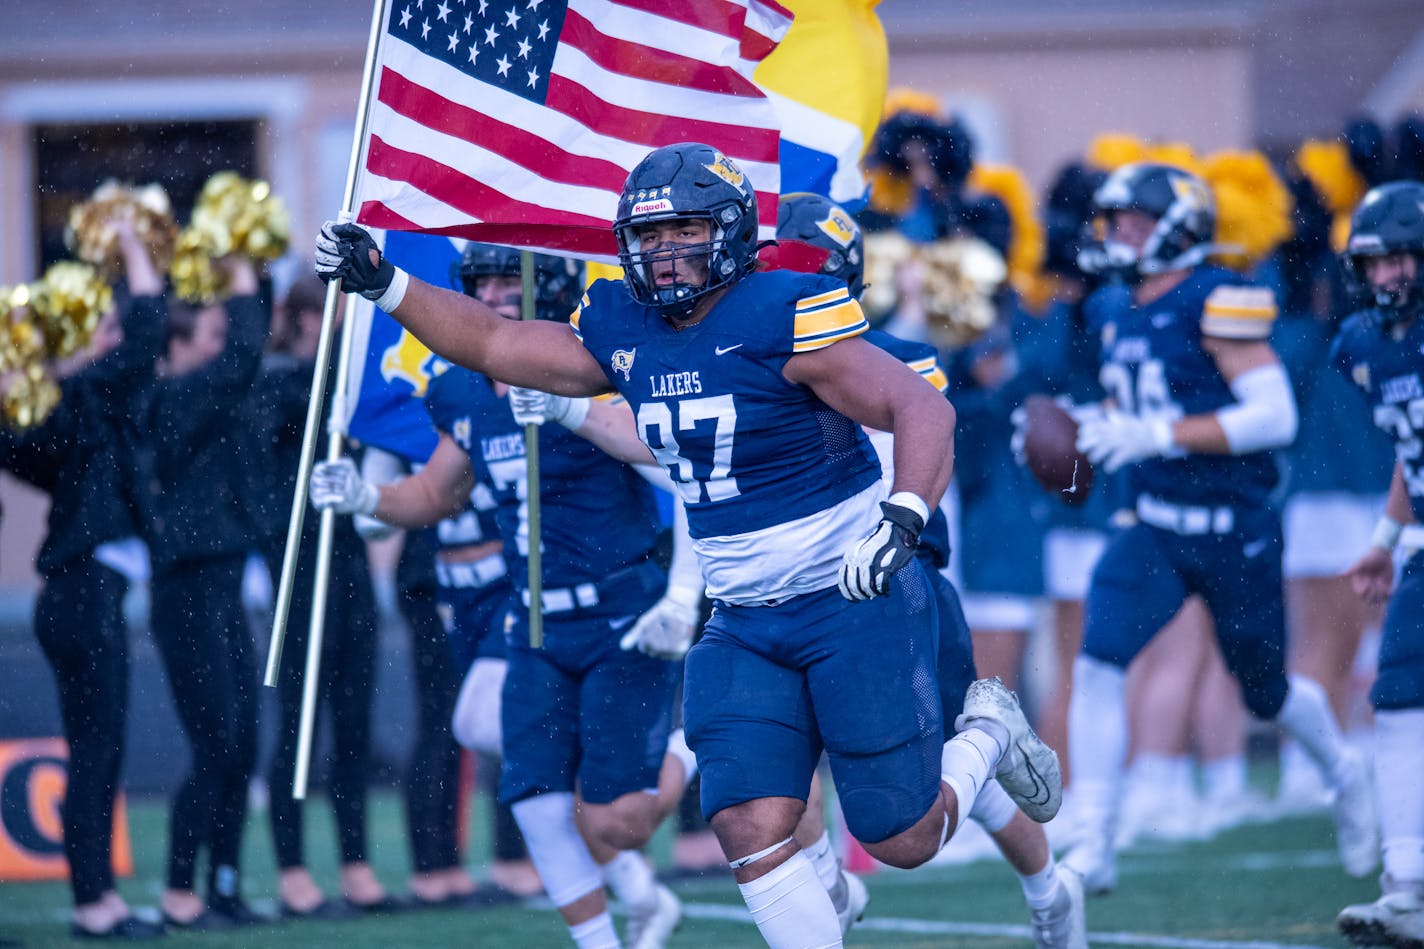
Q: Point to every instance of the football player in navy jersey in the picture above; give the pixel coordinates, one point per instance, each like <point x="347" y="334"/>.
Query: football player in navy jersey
<point x="584" y="723"/>
<point x="1196" y="401"/>
<point x="750" y="389"/>
<point x="1382" y="350"/>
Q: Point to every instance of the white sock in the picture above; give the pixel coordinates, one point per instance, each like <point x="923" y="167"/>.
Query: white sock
<point x="828" y="870"/>
<point x="1399" y="793"/>
<point x="1225" y="778"/>
<point x="967" y="763"/>
<point x="677" y="747"/>
<point x="1097" y="742"/>
<point x="1040" y="888"/>
<point x="631" y="879"/>
<point x="596" y="933"/>
<point x="993" y="808"/>
<point x="1306" y="717"/>
<point x="556" y="847"/>
<point x="791" y="908"/>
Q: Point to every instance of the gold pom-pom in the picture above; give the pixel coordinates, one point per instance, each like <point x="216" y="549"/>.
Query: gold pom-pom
<point x="885" y="253"/>
<point x="1327" y="165"/>
<point x="233" y="215"/>
<point x="67" y="303"/>
<point x="1253" y="207"/>
<point x="1026" y="245"/>
<point x="194" y="277"/>
<point x="904" y="99"/>
<point x="31" y="394"/>
<point x="961" y="276"/>
<point x="21" y="341"/>
<point x="90" y="234"/>
<point x="1111" y="150"/>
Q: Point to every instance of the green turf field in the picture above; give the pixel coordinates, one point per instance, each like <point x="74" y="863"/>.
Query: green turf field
<point x="1263" y="887"/>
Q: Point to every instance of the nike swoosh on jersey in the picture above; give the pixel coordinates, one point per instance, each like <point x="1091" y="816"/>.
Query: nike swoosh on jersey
<point x="724" y="350"/>
<point x="1254" y="548"/>
<point x="621" y="622"/>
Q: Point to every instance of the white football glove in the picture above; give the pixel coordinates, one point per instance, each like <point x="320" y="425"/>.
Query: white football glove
<point x="1119" y="439"/>
<point x="869" y="563"/>
<point x="532" y="407"/>
<point x="338" y="486"/>
<point x="666" y="630"/>
<point x="1019" y="419"/>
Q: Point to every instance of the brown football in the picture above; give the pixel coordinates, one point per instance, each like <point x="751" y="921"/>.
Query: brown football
<point x="1051" y="453"/>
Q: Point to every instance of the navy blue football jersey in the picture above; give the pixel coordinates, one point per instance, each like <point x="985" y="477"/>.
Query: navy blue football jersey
<point x="598" y="514"/>
<point x="476" y="523"/>
<point x="1390" y="370"/>
<point x="1153" y="364"/>
<point x="775" y="481"/>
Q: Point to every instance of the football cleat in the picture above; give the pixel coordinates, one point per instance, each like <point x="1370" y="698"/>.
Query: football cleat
<point x="1029" y="769"/>
<point x="649" y="927"/>
<point x="857" y="898"/>
<point x="1395" y="919"/>
<point x="1356" y="830"/>
<point x="1095" y="863"/>
<point x="1061" y="924"/>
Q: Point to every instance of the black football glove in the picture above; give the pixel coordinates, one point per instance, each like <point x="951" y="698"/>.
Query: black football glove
<point x="869" y="564"/>
<point x="343" y="252"/>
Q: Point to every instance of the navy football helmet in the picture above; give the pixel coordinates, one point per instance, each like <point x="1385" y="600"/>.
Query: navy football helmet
<point x="1180" y="203"/>
<point x="1390" y="220"/>
<point x="558" y="281"/>
<point x="820" y="222"/>
<point x="681" y="182"/>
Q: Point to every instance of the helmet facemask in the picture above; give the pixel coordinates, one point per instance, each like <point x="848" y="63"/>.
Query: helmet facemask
<point x="708" y="259"/>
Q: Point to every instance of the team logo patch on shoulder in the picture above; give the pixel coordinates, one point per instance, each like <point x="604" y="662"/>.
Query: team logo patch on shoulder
<point x="728" y="172"/>
<point x="623" y="362"/>
<point x="460" y="431"/>
<point x="1109" y="334"/>
<point x="1361" y="375"/>
<point x="839" y="227"/>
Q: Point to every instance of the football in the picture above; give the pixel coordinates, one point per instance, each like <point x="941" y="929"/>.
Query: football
<point x="1050" y="450"/>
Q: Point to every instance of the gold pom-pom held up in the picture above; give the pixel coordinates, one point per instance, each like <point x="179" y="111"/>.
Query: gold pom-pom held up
<point x="90" y="233"/>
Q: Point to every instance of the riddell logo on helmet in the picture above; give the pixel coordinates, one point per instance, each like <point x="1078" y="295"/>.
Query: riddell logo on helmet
<point x="652" y="207"/>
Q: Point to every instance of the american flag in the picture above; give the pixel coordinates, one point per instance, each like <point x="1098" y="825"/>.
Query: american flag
<point x="517" y="121"/>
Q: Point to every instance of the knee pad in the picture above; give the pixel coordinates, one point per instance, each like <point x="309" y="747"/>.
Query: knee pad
<point x="556" y="846"/>
<point x="886" y="794"/>
<point x="476" y="721"/>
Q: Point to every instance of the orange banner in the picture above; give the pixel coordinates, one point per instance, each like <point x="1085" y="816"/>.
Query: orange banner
<point x="33" y="775"/>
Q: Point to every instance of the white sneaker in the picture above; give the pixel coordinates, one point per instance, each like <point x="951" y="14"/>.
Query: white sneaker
<point x="1395" y="919"/>
<point x="1356" y="830"/>
<point x="650" y="928"/>
<point x="1095" y="862"/>
<point x="1029" y="770"/>
<point x="1062" y="925"/>
<point x="857" y="898"/>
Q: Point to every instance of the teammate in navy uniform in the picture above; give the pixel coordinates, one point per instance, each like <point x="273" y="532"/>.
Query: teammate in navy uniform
<point x="1382" y="349"/>
<point x="1196" y="401"/>
<point x="750" y="389"/>
<point x="579" y="715"/>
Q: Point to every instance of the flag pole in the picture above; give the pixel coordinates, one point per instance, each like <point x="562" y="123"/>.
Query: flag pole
<point x="309" y="437"/>
<point x="531" y="455"/>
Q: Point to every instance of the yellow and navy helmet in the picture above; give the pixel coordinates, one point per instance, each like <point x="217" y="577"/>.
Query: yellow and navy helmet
<point x="820" y="222"/>
<point x="1180" y="203"/>
<point x="680" y="182"/>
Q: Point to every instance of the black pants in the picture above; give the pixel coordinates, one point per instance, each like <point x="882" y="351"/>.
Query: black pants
<point x="432" y="782"/>
<point x="207" y="651"/>
<point x="348" y="659"/>
<point x="80" y="626"/>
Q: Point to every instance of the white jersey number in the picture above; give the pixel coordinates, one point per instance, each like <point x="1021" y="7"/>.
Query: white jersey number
<point x="656" y="429"/>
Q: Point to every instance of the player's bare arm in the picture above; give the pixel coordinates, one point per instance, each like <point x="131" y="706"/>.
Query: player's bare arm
<point x="456" y="327"/>
<point x="871" y="387"/>
<point x="1372" y="576"/>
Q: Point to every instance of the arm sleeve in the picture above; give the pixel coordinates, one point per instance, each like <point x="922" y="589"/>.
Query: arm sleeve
<point x="130" y="365"/>
<point x="201" y="399"/>
<point x="685" y="572"/>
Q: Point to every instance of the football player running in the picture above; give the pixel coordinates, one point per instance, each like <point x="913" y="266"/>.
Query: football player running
<point x="1196" y="401"/>
<point x="748" y="388"/>
<point x="584" y="723"/>
<point x="1380" y="349"/>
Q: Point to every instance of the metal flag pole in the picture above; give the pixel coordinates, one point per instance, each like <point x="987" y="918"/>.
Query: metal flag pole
<point x="531" y="455"/>
<point x="311" y="678"/>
